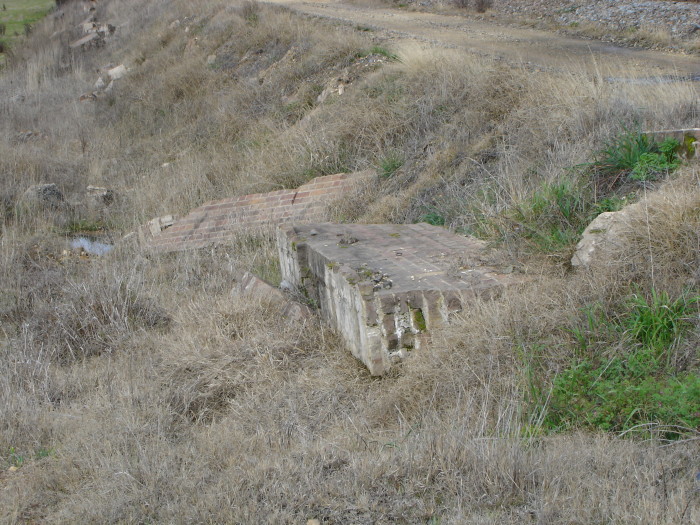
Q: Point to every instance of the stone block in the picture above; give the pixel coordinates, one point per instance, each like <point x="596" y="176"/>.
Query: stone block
<point x="385" y="287"/>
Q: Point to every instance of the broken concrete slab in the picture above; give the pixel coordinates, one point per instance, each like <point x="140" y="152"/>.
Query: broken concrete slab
<point x="92" y="39"/>
<point x="687" y="137"/>
<point x="386" y="287"/>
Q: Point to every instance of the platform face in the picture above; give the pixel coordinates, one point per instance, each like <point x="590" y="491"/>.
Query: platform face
<point x="386" y="286"/>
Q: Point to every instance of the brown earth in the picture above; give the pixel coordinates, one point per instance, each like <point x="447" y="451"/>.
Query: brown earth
<point x="531" y="47"/>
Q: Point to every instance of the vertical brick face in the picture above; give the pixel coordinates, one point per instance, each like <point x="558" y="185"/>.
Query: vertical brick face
<point x="219" y="221"/>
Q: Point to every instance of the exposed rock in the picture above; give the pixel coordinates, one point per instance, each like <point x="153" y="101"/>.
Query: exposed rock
<point x="27" y="135"/>
<point x="89" y="27"/>
<point x="88" y="41"/>
<point x="43" y="196"/>
<point x="253" y="286"/>
<point x="100" y="84"/>
<point x="117" y="72"/>
<point x="211" y="59"/>
<point x="605" y="234"/>
<point x="88" y="97"/>
<point x="99" y="197"/>
<point x="157" y="225"/>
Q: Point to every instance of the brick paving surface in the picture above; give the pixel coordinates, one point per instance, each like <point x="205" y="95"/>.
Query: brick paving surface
<point x="219" y="221"/>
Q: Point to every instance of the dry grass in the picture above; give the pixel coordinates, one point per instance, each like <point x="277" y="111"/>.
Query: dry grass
<point x="139" y="388"/>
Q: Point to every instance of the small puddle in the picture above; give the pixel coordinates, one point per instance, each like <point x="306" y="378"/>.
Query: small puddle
<point x="91" y="246"/>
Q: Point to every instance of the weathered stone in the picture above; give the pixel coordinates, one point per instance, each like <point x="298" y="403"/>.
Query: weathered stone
<point x="157" y="225"/>
<point x="88" y="97"/>
<point x="117" y="72"/>
<point x="348" y="281"/>
<point x="27" y="135"/>
<point x="89" y="27"/>
<point x="606" y="233"/>
<point x="99" y="197"/>
<point x="106" y="30"/>
<point x="90" y="40"/>
<point x="43" y="196"/>
<point x="100" y="83"/>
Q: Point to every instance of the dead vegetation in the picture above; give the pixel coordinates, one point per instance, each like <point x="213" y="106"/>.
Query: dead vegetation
<point x="139" y="388"/>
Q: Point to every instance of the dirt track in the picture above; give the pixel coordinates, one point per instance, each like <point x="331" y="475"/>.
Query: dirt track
<point x="529" y="47"/>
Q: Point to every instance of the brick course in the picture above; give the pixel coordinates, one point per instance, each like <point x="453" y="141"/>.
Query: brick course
<point x="217" y="222"/>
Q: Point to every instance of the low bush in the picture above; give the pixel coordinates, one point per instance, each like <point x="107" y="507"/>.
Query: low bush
<point x="390" y="164"/>
<point x="633" y="156"/>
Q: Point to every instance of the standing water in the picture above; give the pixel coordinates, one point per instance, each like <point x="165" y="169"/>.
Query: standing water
<point x="90" y="246"/>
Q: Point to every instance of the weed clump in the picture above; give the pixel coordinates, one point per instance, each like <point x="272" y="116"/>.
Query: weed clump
<point x="635" y="157"/>
<point x="639" y="384"/>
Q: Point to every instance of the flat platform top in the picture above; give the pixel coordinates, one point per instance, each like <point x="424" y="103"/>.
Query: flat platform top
<point x="402" y="257"/>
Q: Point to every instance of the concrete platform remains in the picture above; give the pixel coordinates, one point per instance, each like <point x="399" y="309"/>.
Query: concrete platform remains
<point x="385" y="287"/>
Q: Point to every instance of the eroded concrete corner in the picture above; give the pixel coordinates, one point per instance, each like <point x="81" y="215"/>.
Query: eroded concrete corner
<point x="386" y="287"/>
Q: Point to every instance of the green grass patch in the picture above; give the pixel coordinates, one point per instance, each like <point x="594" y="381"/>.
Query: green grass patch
<point x="18" y="16"/>
<point x="556" y="214"/>
<point x="633" y="385"/>
<point x="554" y="217"/>
<point x="633" y="156"/>
<point x="378" y="50"/>
<point x="433" y="217"/>
<point x="390" y="164"/>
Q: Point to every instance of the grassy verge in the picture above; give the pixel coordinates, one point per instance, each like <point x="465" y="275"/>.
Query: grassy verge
<point x="17" y="18"/>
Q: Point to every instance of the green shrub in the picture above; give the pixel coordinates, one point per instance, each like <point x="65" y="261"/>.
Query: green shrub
<point x="433" y="217"/>
<point x="379" y="50"/>
<point x="633" y="156"/>
<point x="658" y="322"/>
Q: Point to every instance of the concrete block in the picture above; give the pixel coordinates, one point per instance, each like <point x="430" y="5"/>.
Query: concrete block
<point x="346" y="270"/>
